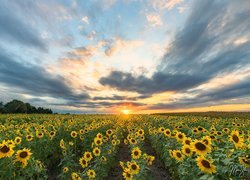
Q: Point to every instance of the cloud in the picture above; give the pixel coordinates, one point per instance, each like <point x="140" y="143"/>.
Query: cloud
<point x="85" y="19"/>
<point x="159" y="82"/>
<point x="223" y="95"/>
<point x="85" y="51"/>
<point x="14" y="29"/>
<point x="116" y="44"/>
<point x="35" y="80"/>
<point x="164" y="4"/>
<point x="203" y="49"/>
<point x="119" y="98"/>
<point x="102" y="104"/>
<point x="154" y="19"/>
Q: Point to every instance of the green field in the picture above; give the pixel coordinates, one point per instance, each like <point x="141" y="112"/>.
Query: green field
<point x="166" y="146"/>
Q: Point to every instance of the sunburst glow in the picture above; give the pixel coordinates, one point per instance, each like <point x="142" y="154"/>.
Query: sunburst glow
<point x="126" y="111"/>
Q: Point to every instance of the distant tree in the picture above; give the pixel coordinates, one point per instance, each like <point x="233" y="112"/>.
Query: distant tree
<point x="30" y="109"/>
<point x="15" y="106"/>
<point x="1" y="107"/>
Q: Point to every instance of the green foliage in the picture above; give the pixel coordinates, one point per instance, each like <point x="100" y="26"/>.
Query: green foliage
<point x="16" y="106"/>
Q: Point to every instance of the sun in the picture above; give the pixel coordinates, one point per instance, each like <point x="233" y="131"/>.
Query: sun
<point x="126" y="111"/>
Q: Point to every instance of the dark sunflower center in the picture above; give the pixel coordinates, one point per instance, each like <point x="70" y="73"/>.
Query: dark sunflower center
<point x="88" y="155"/>
<point x="5" y="149"/>
<point x="180" y="136"/>
<point x="134" y="167"/>
<point x="200" y="146"/>
<point x="98" y="141"/>
<point x="23" y="154"/>
<point x="178" y="155"/>
<point x="235" y="138"/>
<point x="187" y="142"/>
<point x="136" y="153"/>
<point x="84" y="162"/>
<point x="188" y="150"/>
<point x="205" y="163"/>
<point x="97" y="151"/>
<point x="200" y="129"/>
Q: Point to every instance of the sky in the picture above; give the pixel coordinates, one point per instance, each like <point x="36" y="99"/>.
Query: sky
<point x="142" y="56"/>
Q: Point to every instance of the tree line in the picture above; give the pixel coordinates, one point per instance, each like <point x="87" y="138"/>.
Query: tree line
<point x="16" y="106"/>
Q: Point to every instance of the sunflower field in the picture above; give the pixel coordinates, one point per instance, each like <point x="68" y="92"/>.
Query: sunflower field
<point x="124" y="147"/>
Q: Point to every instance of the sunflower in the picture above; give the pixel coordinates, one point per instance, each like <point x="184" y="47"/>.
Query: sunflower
<point x="29" y="137"/>
<point x="18" y="140"/>
<point x="97" y="141"/>
<point x="83" y="162"/>
<point x="10" y="143"/>
<point x="178" y="155"/>
<point x="134" y="168"/>
<point x="73" y="134"/>
<point x="113" y="142"/>
<point x="205" y="165"/>
<point x="150" y="160"/>
<point x="65" y="169"/>
<point x="91" y="173"/>
<point x="99" y="135"/>
<point x="118" y="141"/>
<point x="142" y="138"/>
<point x="200" y="129"/>
<point x="245" y="162"/>
<point x="236" y="139"/>
<point x="127" y="175"/>
<point x="207" y="140"/>
<point x="180" y="136"/>
<point x="88" y="156"/>
<point x="186" y="150"/>
<point x="96" y="151"/>
<point x="200" y="147"/>
<point x="161" y="129"/>
<point x="52" y="134"/>
<point x="109" y="132"/>
<point x="195" y="131"/>
<point x="132" y="141"/>
<point x="167" y="132"/>
<point x="6" y="150"/>
<point x="187" y="141"/>
<point x="141" y="132"/>
<point x="23" y="156"/>
<point x="39" y="134"/>
<point x="75" y="176"/>
<point x="136" y="153"/>
<point x="62" y="144"/>
<point x="103" y="159"/>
